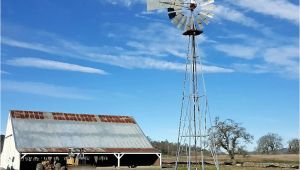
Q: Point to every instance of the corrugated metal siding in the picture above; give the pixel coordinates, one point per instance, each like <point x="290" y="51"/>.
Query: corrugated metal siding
<point x="42" y="135"/>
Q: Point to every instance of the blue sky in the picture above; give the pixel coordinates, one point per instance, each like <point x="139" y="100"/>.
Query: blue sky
<point x="114" y="57"/>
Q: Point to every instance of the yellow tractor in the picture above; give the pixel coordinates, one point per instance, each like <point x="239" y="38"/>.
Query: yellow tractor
<point x="71" y="161"/>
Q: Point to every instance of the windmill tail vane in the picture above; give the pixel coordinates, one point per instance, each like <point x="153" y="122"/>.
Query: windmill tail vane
<point x="195" y="140"/>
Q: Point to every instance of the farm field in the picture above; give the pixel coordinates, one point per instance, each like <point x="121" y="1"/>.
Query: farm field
<point x="281" y="158"/>
<point x="237" y="168"/>
<point x="251" y="162"/>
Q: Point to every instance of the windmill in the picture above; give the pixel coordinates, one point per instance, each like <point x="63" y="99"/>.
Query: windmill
<point x="194" y="137"/>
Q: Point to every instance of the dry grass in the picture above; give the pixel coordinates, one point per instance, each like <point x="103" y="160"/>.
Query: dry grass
<point x="282" y="158"/>
<point x="289" y="159"/>
<point x="235" y="168"/>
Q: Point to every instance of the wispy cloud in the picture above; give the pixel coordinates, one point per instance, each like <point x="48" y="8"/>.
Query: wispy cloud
<point x="265" y="57"/>
<point x="214" y="69"/>
<point x="126" y="3"/>
<point x="149" y="50"/>
<point x="47" y="48"/>
<point x="160" y="47"/>
<point x="159" y="40"/>
<point x="282" y="9"/>
<point x="285" y="55"/>
<point x="263" y="54"/>
<point x="32" y="46"/>
<point x="230" y="14"/>
<point x="286" y="58"/>
<point x="241" y="51"/>
<point x="4" y="72"/>
<point x="52" y="65"/>
<point x="251" y="68"/>
<point x="44" y="89"/>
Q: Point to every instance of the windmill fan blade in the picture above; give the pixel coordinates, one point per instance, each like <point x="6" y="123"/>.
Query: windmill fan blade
<point x="209" y="7"/>
<point x="205" y="17"/>
<point x="156" y="4"/>
<point x="189" y="24"/>
<point x="206" y="2"/>
<point x="174" y="11"/>
<point x="199" y="22"/>
<point x="177" y="18"/>
<point x="176" y="8"/>
<point x="179" y="2"/>
<point x="182" y="22"/>
<point x="208" y="14"/>
<point x="171" y="13"/>
<point x="162" y="4"/>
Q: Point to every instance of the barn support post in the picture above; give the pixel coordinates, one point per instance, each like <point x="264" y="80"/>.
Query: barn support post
<point x="23" y="156"/>
<point x="118" y="156"/>
<point x="160" y="162"/>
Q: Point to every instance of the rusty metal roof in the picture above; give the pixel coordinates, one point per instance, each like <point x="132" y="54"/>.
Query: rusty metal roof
<point x="44" y="132"/>
<point x="70" y="116"/>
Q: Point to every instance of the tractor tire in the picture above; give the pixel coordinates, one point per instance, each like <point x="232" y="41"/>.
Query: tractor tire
<point x="39" y="166"/>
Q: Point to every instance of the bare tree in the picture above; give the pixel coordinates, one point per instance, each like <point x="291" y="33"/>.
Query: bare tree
<point x="294" y="146"/>
<point x="269" y="143"/>
<point x="229" y="135"/>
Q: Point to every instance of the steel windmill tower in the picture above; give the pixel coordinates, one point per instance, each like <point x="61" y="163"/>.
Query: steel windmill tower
<point x="194" y="137"/>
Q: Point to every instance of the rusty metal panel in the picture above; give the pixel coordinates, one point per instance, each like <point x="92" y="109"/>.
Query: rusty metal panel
<point x="27" y="114"/>
<point x="54" y="132"/>
<point x="116" y="119"/>
<point x="20" y="114"/>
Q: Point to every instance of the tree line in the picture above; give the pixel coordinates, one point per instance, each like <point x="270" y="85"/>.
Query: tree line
<point x="231" y="138"/>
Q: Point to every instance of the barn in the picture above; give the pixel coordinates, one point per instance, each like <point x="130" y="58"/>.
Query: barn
<point x="94" y="140"/>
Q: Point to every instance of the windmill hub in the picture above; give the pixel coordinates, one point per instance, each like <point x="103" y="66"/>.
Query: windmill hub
<point x="193" y="6"/>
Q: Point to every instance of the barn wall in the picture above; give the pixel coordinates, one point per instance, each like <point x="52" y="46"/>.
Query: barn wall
<point x="10" y="157"/>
